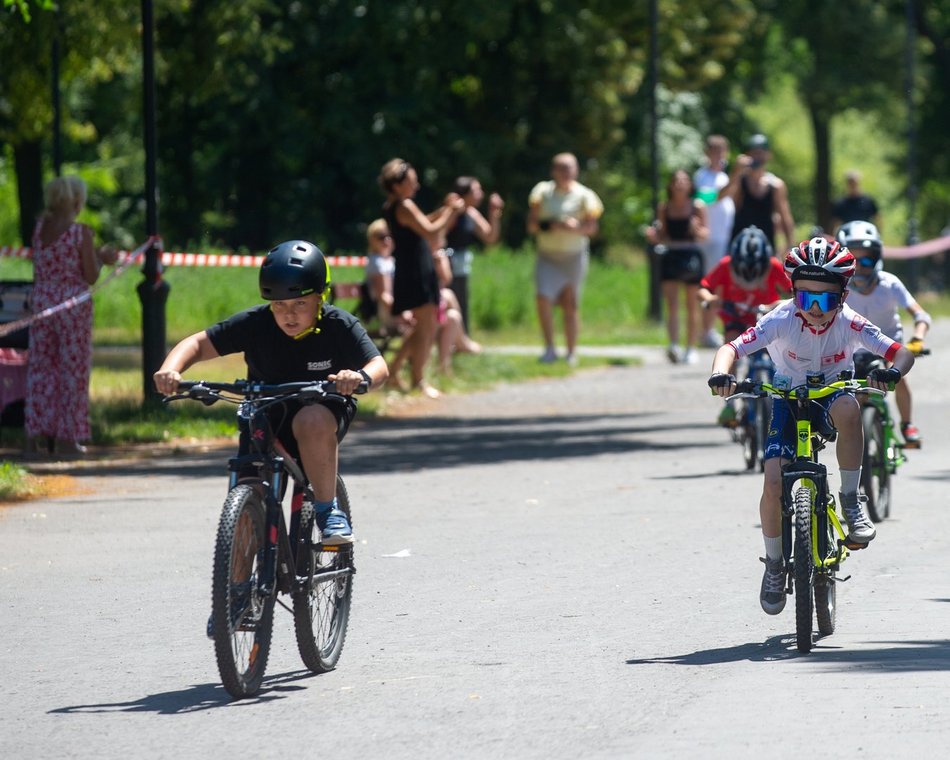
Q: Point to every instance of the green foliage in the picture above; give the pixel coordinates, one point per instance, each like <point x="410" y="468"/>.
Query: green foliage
<point x="15" y="482"/>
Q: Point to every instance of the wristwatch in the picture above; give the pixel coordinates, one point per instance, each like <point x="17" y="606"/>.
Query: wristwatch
<point x="367" y="378"/>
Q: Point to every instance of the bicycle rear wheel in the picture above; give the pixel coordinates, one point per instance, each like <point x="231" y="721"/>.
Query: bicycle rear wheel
<point x="804" y="570"/>
<point x="322" y="606"/>
<point x="875" y="475"/>
<point x="242" y="620"/>
<point x="826" y="590"/>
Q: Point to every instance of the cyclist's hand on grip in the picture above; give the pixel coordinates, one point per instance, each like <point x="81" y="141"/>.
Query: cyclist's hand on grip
<point x="166" y="381"/>
<point x="884" y="379"/>
<point x="722" y="384"/>
<point x="916" y="346"/>
<point x="347" y="381"/>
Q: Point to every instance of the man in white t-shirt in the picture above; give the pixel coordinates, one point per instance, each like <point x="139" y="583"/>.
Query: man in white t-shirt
<point x="563" y="214"/>
<point x="720" y="212"/>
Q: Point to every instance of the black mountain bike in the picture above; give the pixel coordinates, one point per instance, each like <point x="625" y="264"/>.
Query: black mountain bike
<point x="256" y="557"/>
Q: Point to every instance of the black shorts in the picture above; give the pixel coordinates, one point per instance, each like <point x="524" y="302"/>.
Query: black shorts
<point x="683" y="265"/>
<point x="281" y="418"/>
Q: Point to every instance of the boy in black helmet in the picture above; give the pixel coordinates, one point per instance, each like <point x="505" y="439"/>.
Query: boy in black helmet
<point x="295" y="337"/>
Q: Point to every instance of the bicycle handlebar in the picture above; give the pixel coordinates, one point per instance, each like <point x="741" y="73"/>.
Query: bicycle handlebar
<point x="749" y="388"/>
<point x="210" y="392"/>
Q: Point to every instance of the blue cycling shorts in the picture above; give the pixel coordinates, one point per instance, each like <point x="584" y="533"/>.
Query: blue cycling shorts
<point x="782" y="430"/>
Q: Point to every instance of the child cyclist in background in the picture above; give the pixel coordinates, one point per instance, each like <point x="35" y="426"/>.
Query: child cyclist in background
<point x="815" y="333"/>
<point x="295" y="337"/>
<point x="880" y="296"/>
<point x="749" y="280"/>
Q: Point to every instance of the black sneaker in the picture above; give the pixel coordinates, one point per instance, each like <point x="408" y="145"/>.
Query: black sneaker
<point x="772" y="594"/>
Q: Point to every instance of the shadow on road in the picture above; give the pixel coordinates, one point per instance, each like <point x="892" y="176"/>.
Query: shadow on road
<point x="888" y="657"/>
<point x="205" y="696"/>
<point x="441" y="442"/>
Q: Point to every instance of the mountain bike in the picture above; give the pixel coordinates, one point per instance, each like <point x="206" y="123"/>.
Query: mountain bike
<point x="755" y="414"/>
<point x="256" y="557"/>
<point x="814" y="542"/>
<point x="883" y="444"/>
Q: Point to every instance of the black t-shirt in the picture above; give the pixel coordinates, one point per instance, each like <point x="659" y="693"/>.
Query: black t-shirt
<point x="272" y="356"/>
<point x="855" y="208"/>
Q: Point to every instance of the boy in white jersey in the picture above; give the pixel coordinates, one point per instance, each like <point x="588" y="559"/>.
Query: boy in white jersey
<point x="815" y="333"/>
<point x="880" y="296"/>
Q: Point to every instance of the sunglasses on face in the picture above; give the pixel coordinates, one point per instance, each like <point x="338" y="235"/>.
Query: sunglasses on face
<point x="826" y="301"/>
<point x="867" y="261"/>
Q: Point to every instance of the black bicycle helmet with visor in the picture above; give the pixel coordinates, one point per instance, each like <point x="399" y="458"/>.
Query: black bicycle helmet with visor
<point x="750" y="255"/>
<point x="293" y="269"/>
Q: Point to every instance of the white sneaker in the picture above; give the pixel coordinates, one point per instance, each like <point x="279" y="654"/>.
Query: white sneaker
<point x="673" y="354"/>
<point x="690" y="357"/>
<point x="571" y="360"/>
<point x="712" y="339"/>
<point x="549" y="356"/>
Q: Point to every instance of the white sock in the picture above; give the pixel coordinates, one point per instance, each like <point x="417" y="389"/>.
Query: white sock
<point x="773" y="547"/>
<point x="850" y="479"/>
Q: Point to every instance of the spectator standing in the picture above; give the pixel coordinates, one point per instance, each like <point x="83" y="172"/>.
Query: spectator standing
<point x="854" y="205"/>
<point x="709" y="180"/>
<point x="761" y="198"/>
<point x="65" y="264"/>
<point x="680" y="227"/>
<point x="563" y="215"/>
<point x="469" y="227"/>
<point x="415" y="284"/>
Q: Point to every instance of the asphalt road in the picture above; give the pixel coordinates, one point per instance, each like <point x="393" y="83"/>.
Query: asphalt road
<point x="552" y="569"/>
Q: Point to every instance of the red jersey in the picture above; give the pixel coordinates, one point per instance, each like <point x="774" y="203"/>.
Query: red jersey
<point x="720" y="281"/>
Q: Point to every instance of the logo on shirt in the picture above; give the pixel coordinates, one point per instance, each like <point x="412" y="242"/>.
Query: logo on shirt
<point x="749" y="336"/>
<point x="833" y="359"/>
<point x="858" y="323"/>
<point x="319" y="366"/>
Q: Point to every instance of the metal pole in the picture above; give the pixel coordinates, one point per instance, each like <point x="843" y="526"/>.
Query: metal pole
<point x="57" y="120"/>
<point x="153" y="290"/>
<point x="655" y="309"/>
<point x="912" y="233"/>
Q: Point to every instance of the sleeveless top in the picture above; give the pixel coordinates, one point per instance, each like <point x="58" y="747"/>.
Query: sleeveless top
<point x="757" y="211"/>
<point x="460" y="239"/>
<point x="414" y="281"/>
<point x="57" y="267"/>
<point x="677" y="229"/>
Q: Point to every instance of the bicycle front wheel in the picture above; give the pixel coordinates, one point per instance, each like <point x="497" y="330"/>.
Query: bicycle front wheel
<point x="875" y="475"/>
<point x="322" y="605"/>
<point x="804" y="569"/>
<point x="242" y="620"/>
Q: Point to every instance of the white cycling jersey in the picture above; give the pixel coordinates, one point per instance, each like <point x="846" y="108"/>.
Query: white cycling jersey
<point x="800" y="351"/>
<point x="883" y="304"/>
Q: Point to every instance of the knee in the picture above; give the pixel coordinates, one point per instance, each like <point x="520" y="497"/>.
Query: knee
<point x="314" y="424"/>
<point x="845" y="413"/>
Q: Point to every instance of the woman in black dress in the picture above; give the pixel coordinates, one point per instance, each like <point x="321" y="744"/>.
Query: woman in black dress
<point x="415" y="284"/>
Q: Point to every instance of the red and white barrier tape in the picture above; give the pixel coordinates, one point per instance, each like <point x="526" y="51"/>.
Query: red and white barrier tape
<point x="178" y="259"/>
<point x="130" y="258"/>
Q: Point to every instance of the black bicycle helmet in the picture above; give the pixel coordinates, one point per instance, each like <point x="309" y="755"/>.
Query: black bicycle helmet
<point x="293" y="269"/>
<point x="862" y="239"/>
<point x="750" y="254"/>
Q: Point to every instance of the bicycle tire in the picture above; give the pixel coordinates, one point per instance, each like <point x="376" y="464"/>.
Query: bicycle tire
<point x="826" y="589"/>
<point x="749" y="452"/>
<point x="804" y="570"/>
<point x="763" y="413"/>
<point x="322" y="610"/>
<point x="875" y="475"/>
<point x="242" y="621"/>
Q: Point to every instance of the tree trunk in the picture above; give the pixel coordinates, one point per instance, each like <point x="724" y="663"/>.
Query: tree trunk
<point x="28" y="164"/>
<point x="822" y="133"/>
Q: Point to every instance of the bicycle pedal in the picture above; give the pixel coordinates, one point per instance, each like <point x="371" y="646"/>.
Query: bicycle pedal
<point x="854" y="545"/>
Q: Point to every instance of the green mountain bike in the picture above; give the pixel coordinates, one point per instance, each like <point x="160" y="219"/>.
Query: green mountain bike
<point x="814" y="541"/>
